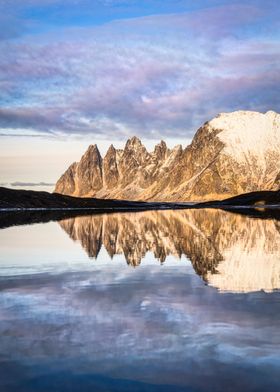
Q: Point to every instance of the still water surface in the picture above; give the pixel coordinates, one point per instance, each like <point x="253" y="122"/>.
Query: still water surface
<point x="150" y="301"/>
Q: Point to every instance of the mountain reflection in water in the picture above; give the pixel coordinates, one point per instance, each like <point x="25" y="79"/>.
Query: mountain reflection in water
<point x="229" y="251"/>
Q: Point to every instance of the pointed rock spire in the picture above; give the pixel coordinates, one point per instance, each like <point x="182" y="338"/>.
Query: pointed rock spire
<point x="133" y="142"/>
<point x="110" y="168"/>
<point x="92" y="153"/>
<point x="89" y="172"/>
<point x="160" y="150"/>
<point x="66" y="183"/>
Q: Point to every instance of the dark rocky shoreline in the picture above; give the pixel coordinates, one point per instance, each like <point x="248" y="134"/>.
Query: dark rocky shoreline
<point x="26" y="199"/>
<point x="19" y="207"/>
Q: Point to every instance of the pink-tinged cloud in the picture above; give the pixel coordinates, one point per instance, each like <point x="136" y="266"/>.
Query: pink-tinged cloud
<point x="160" y="75"/>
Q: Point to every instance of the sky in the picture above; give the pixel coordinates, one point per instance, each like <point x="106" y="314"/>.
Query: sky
<point x="79" y="72"/>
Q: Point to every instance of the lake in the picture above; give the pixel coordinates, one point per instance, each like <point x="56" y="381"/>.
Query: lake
<point x="184" y="300"/>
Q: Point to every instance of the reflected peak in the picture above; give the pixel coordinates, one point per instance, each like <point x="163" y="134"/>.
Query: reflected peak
<point x="229" y="251"/>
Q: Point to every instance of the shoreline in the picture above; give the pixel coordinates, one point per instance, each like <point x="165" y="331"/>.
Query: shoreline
<point x="15" y="201"/>
<point x="146" y="208"/>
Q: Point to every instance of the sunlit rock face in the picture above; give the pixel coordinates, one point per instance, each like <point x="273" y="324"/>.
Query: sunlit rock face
<point x="229" y="251"/>
<point x="234" y="153"/>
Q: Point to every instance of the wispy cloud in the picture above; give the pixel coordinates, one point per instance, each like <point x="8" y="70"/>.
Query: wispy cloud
<point x="31" y="184"/>
<point x="156" y="76"/>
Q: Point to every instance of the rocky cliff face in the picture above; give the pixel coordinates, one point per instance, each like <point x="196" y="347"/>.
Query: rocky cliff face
<point x="233" y="153"/>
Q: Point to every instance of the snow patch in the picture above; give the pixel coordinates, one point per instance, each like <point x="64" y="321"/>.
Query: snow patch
<point x="248" y="134"/>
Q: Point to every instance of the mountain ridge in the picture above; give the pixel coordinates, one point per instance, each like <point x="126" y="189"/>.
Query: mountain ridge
<point x="234" y="153"/>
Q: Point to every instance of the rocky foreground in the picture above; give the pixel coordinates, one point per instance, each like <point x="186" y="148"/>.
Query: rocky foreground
<point x="232" y="154"/>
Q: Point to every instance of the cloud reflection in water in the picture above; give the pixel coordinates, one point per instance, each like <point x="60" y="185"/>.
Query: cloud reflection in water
<point x="111" y="327"/>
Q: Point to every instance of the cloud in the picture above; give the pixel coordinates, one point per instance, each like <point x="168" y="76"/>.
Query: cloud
<point x="155" y="76"/>
<point x="35" y="184"/>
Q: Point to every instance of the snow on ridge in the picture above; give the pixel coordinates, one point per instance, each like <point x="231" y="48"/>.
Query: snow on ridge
<point x="248" y="133"/>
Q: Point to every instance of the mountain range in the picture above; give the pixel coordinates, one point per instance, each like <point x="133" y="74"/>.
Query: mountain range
<point x="234" y="153"/>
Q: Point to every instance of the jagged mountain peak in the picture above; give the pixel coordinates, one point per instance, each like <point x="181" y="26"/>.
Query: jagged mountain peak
<point x="160" y="150"/>
<point x="133" y="142"/>
<point x="161" y="145"/>
<point x="111" y="150"/>
<point x="92" y="152"/>
<point x="112" y="147"/>
<point x="92" y="147"/>
<point x="135" y="153"/>
<point x="233" y="153"/>
<point x="178" y="147"/>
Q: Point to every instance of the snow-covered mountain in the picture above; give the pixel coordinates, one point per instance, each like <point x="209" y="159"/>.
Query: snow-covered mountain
<point x="233" y="153"/>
